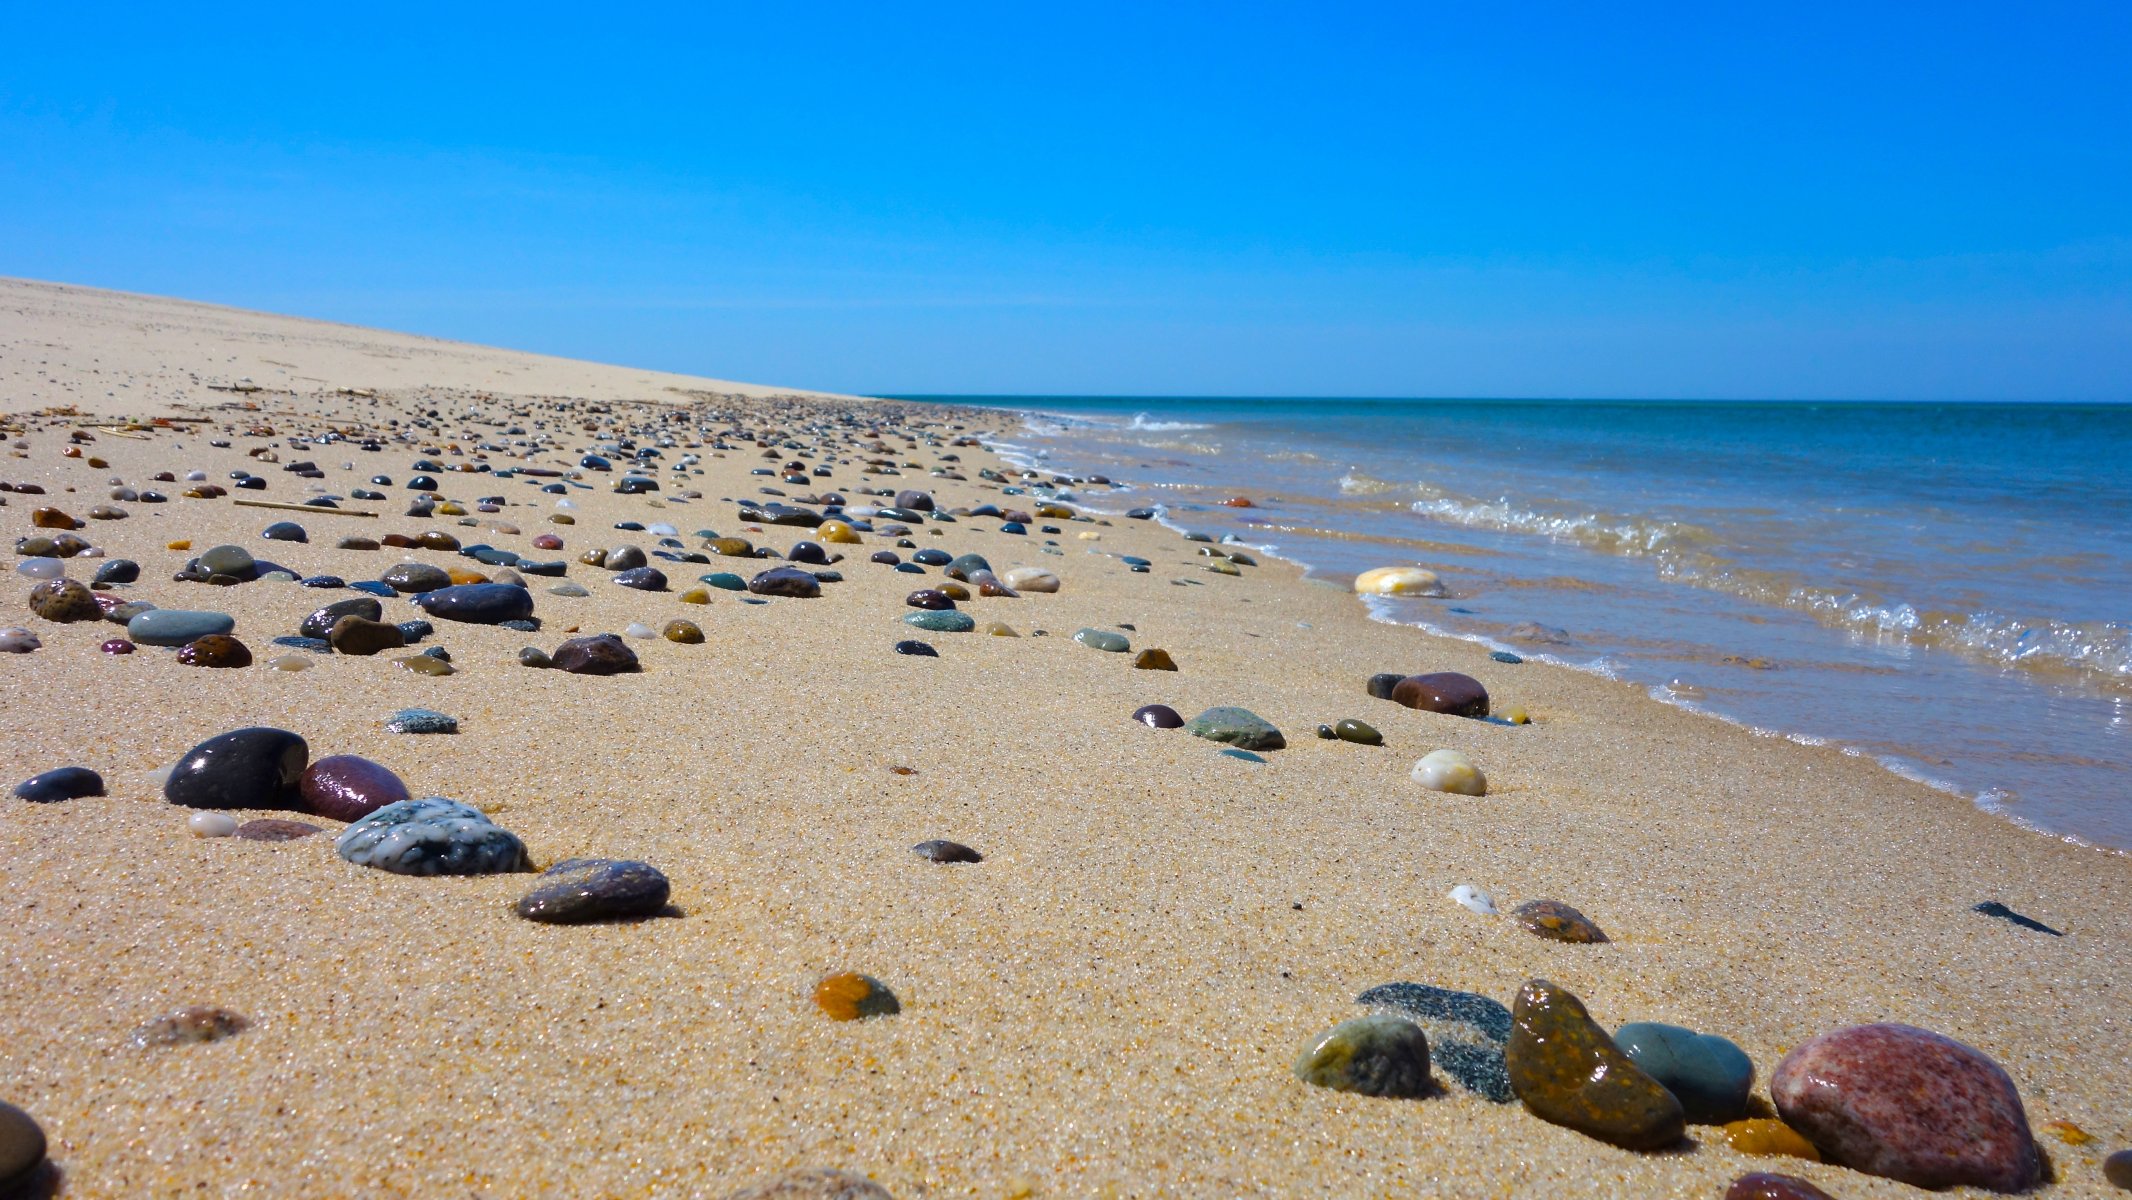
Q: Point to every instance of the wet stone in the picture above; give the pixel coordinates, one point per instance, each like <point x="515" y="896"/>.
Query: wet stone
<point x="426" y="664"/>
<point x="1443" y="692"/>
<point x="1764" y="1137"/>
<point x="215" y="650"/>
<point x="941" y="622"/>
<point x="850" y="996"/>
<point x="477" y="603"/>
<point x="117" y="570"/>
<point x="415" y="577"/>
<point x="1239" y="727"/>
<point x="1910" y="1105"/>
<point x="1556" y="921"/>
<point x="578" y="890"/>
<point x="61" y="783"/>
<point x="603" y="654"/>
<point x="1709" y="1075"/>
<point x="940" y="850"/>
<point x="643" y="579"/>
<point x="1568" y="1071"/>
<point x="188" y="1026"/>
<point x="235" y="561"/>
<point x="254" y="767"/>
<point x="786" y="581"/>
<point x="285" y="531"/>
<point x="1158" y="716"/>
<point x="356" y="635"/>
<point x="272" y="829"/>
<point x="344" y="787"/>
<point x="1467" y="1033"/>
<point x="315" y="645"/>
<point x="1505" y="656"/>
<point x="932" y="599"/>
<point x="116" y="646"/>
<point x="64" y="601"/>
<point x="421" y="720"/>
<point x="1769" y="1185"/>
<point x="1379" y="1055"/>
<point x="431" y="836"/>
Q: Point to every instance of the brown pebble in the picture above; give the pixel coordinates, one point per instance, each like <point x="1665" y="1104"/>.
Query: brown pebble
<point x="1556" y="921"/>
<point x="1154" y="660"/>
<point x="215" y="650"/>
<point x="688" y="633"/>
<point x="1768" y="1185"/>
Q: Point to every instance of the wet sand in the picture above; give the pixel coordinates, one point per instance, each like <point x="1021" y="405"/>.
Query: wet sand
<point x="1108" y="1005"/>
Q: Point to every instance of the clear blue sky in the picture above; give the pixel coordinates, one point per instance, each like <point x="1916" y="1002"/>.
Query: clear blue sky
<point x="1854" y="200"/>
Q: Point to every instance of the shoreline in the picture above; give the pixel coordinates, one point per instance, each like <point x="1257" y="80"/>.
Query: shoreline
<point x="1109" y="1004"/>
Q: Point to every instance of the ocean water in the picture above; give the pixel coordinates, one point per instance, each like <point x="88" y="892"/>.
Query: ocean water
<point x="1946" y="588"/>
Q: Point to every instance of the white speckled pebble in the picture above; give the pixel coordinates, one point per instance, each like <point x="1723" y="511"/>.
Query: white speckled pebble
<point x="211" y="824"/>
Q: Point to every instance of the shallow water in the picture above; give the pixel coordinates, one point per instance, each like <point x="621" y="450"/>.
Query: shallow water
<point x="1946" y="587"/>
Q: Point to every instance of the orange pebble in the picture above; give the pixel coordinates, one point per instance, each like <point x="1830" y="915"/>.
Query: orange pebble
<point x="71" y="452"/>
<point x="1765" y="1136"/>
<point x="185" y="544"/>
<point x="849" y="996"/>
<point x="2069" y="1133"/>
<point x="462" y="575"/>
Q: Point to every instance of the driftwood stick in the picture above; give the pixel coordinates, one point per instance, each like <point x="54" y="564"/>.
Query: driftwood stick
<point x="309" y="508"/>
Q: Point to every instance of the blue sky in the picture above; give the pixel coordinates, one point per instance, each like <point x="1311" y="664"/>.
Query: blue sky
<point x="1916" y="201"/>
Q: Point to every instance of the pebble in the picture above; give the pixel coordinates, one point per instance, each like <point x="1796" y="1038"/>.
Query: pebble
<point x="215" y="650"/>
<point x="850" y="996"/>
<point x="1709" y="1075"/>
<point x="962" y="566"/>
<point x="569" y="589"/>
<point x="725" y="581"/>
<point x="695" y="595"/>
<point x="916" y="648"/>
<point x="2118" y="1169"/>
<point x="941" y="622"/>
<point x="1568" y="1071"/>
<point x="1466" y="1031"/>
<point x="1450" y="771"/>
<point x="176" y="626"/>
<point x="1505" y="656"/>
<point x="188" y="1026"/>
<point x="415" y="577"/>
<point x="1768" y="1185"/>
<point x="1031" y="579"/>
<point x="643" y="579"/>
<point x="1556" y="921"/>
<point x="1399" y="581"/>
<point x="813" y="1183"/>
<point x="431" y="836"/>
<point x="16" y="640"/>
<point x="273" y="829"/>
<point x="234" y="561"/>
<point x="116" y="646"/>
<point x="1158" y="716"/>
<point x="60" y="783"/>
<point x="687" y="633"/>
<point x="1910" y="1105"/>
<point x="786" y="581"/>
<point x="426" y="664"/>
<point x="603" y="654"/>
<point x="1764" y="1137"/>
<point x="211" y="824"/>
<point x="64" y="601"/>
<point x="1443" y="692"/>
<point x="1154" y="660"/>
<point x="41" y="568"/>
<point x="480" y="603"/>
<point x="285" y="531"/>
<point x="1380" y="1055"/>
<point x="254" y="767"/>
<point x="344" y="787"/>
<point x="1104" y="640"/>
<point x="1473" y="898"/>
<point x="940" y="850"/>
<point x="932" y="599"/>
<point x="638" y="629"/>
<point x="354" y="634"/>
<point x="1239" y="727"/>
<point x="578" y="890"/>
<point x="1362" y="733"/>
<point x="421" y="720"/>
<point x="1380" y="685"/>
<point x="22" y="1148"/>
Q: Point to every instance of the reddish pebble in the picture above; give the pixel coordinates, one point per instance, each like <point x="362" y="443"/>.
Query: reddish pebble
<point x="117" y="646"/>
<point x="1159" y="716"/>
<point x="345" y="787"/>
<point x="547" y="541"/>
<point x="1443" y="692"/>
<point x="1768" y="1185"/>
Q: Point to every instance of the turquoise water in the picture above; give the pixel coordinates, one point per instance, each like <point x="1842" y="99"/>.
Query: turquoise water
<point x="1944" y="587"/>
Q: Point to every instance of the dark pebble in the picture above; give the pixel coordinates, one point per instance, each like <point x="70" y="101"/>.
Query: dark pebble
<point x="215" y="650"/>
<point x="1444" y="692"/>
<point x="940" y="850"/>
<point x="343" y="787"/>
<point x="644" y="579"/>
<point x="916" y="647"/>
<point x="117" y="570"/>
<point x="1768" y="1185"/>
<point x="63" y="783"/>
<point x="1505" y="656"/>
<point x="604" y="654"/>
<point x="930" y="598"/>
<point x="1158" y="716"/>
<point x="578" y="890"/>
<point x="254" y="767"/>
<point x="1381" y="685"/>
<point x="320" y="623"/>
<point x="22" y="1148"/>
<point x="786" y="581"/>
<point x="477" y="603"/>
<point x="285" y="531"/>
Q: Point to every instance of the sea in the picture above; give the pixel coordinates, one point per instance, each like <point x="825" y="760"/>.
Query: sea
<point x="1945" y="588"/>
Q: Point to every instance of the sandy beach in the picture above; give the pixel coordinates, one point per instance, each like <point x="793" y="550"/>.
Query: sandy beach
<point x="1109" y="1004"/>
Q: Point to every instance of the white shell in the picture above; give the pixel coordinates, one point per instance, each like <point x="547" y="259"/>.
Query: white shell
<point x="1450" y="771"/>
<point x="211" y="824"/>
<point x="1474" y="898"/>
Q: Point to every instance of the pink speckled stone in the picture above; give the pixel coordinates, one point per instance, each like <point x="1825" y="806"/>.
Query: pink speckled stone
<point x="1909" y="1104"/>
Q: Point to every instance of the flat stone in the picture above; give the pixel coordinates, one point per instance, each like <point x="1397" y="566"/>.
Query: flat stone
<point x="1908" y="1104"/>
<point x="1556" y="921"/>
<point x="1710" y="1076"/>
<point x="431" y="836"/>
<point x="940" y="850"/>
<point x="285" y="531"/>
<point x="578" y="890"/>
<point x="176" y="626"/>
<point x="603" y="654"/>
<point x="813" y="1183"/>
<point x="60" y="783"/>
<point x="477" y="603"/>
<point x="941" y="622"/>
<point x="850" y="996"/>
<point x="643" y="579"/>
<point x="421" y="720"/>
<point x="1467" y="1033"/>
<point x="254" y="767"/>
<point x="1239" y="727"/>
<point x="1031" y="579"/>
<point x="1768" y="1185"/>
<point x="786" y="581"/>
<point x="273" y="829"/>
<point x="1443" y="692"/>
<point x="1568" y="1071"/>
<point x="1104" y="640"/>
<point x="1379" y="1055"/>
<point x="344" y="787"/>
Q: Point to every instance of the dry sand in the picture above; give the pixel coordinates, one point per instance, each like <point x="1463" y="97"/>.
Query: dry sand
<point x="1108" y="1005"/>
